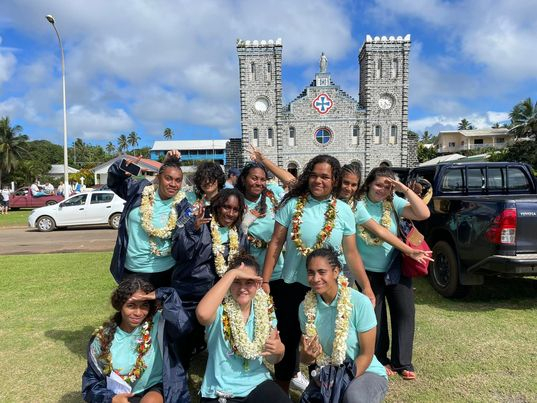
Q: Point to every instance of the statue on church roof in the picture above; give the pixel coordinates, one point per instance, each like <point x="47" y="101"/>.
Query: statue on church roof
<point x="323" y="63"/>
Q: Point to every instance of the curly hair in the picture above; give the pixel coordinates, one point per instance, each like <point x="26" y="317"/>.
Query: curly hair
<point x="170" y="162"/>
<point x="245" y="258"/>
<point x="208" y="172"/>
<point x="120" y="296"/>
<point x="382" y="172"/>
<point x="329" y="253"/>
<point x="241" y="184"/>
<point x="222" y="197"/>
<point x="301" y="186"/>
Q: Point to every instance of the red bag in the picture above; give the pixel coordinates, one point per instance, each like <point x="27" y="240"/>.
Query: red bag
<point x="411" y="267"/>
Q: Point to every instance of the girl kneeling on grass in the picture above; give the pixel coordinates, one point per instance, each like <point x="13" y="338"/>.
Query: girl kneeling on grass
<point x="338" y="326"/>
<point x="128" y="356"/>
<point x="241" y="331"/>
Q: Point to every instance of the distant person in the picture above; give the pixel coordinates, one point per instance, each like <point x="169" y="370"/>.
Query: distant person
<point x="208" y="180"/>
<point x="49" y="188"/>
<point x="4" y="200"/>
<point x="232" y="176"/>
<point x="61" y="189"/>
<point x="36" y="191"/>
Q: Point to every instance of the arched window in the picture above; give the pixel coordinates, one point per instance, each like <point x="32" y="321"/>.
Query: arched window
<point x="395" y="68"/>
<point x="378" y="69"/>
<point x="393" y="135"/>
<point x="255" y="139"/>
<point x="270" y="136"/>
<point x="378" y="135"/>
<point x="292" y="136"/>
<point x="252" y="71"/>
<point x="355" y="135"/>
<point x="384" y="164"/>
<point x="292" y="168"/>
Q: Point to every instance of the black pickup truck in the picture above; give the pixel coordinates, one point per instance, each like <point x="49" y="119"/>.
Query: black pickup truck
<point x="483" y="222"/>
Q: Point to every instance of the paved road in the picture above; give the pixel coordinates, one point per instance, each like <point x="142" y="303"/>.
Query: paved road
<point x="20" y="241"/>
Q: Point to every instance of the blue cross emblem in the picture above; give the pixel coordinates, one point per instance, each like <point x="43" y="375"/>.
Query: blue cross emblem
<point x="322" y="103"/>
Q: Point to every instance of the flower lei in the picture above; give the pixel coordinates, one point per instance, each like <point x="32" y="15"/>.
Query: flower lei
<point x="256" y="242"/>
<point x="143" y="346"/>
<point x="218" y="247"/>
<point x="329" y="220"/>
<point x="146" y="213"/>
<point x="235" y="328"/>
<point x="385" y="221"/>
<point x="341" y="328"/>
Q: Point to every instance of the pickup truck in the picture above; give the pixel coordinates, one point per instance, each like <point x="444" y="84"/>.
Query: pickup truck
<point x="483" y="222"/>
<point x="22" y="198"/>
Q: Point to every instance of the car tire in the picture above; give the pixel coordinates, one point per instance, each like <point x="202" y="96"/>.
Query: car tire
<point x="114" y="220"/>
<point x="444" y="272"/>
<point x="51" y="202"/>
<point x="45" y="223"/>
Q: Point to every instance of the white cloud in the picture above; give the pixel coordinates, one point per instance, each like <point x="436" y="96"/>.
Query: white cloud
<point x="7" y="63"/>
<point x="96" y="125"/>
<point x="437" y="123"/>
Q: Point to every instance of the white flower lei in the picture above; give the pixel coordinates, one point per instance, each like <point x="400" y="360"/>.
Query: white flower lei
<point x="146" y="213"/>
<point x="341" y="328"/>
<point x="385" y="221"/>
<point x="218" y="247"/>
<point x="240" y="342"/>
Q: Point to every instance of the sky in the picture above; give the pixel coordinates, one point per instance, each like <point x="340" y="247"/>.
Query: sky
<point x="145" y="65"/>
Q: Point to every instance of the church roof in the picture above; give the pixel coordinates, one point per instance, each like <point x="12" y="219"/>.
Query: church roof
<point x="314" y="84"/>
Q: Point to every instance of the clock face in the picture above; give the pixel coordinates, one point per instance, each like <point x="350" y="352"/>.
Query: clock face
<point x="385" y="101"/>
<point x="261" y="104"/>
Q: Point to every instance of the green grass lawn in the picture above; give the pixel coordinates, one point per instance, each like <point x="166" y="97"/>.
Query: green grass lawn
<point x="15" y="218"/>
<point x="480" y="349"/>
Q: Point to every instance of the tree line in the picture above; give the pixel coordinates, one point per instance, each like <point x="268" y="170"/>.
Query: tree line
<point x="22" y="160"/>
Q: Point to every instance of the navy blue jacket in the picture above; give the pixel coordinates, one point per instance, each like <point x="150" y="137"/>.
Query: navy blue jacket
<point x="130" y="190"/>
<point x="173" y="324"/>
<point x="195" y="271"/>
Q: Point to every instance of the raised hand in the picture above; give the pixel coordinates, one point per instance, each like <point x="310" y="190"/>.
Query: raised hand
<point x="311" y="348"/>
<point x="255" y="154"/>
<point x="172" y="154"/>
<point x="273" y="344"/>
<point x="151" y="296"/>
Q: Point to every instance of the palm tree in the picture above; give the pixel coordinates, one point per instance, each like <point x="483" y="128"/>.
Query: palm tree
<point x="110" y="148"/>
<point x="122" y="143"/>
<point x="132" y="139"/>
<point x="464" y="124"/>
<point x="524" y="119"/>
<point x="12" y="144"/>
<point x="168" y="133"/>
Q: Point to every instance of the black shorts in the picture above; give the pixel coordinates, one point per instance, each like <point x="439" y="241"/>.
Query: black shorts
<point x="4" y="203"/>
<point x="155" y="388"/>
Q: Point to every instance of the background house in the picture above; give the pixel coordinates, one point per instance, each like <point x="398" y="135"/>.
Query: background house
<point x="457" y="141"/>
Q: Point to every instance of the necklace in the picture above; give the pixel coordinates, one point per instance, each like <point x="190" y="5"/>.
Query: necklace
<point x="385" y="221"/>
<point x="329" y="220"/>
<point x="142" y="347"/>
<point x="218" y="247"/>
<point x="235" y="328"/>
<point x="146" y="213"/>
<point x="341" y="328"/>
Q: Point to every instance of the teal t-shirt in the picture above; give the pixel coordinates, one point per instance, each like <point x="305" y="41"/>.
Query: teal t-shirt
<point x="263" y="228"/>
<point x="361" y="320"/>
<point x="294" y="266"/>
<point x="139" y="258"/>
<point x="278" y="191"/>
<point x="377" y="258"/>
<point x="123" y="350"/>
<point x="226" y="371"/>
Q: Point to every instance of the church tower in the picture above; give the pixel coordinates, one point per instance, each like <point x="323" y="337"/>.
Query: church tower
<point x="384" y="96"/>
<point x="260" y="70"/>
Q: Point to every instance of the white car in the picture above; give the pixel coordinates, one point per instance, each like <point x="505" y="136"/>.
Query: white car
<point x="98" y="207"/>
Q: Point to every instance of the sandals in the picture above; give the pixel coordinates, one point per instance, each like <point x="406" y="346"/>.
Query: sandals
<point x="408" y="375"/>
<point x="389" y="370"/>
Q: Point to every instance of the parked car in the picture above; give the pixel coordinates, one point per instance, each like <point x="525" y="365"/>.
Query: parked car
<point x="98" y="207"/>
<point x="482" y="223"/>
<point x="23" y="198"/>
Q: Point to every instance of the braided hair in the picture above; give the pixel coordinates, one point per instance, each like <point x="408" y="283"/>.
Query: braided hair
<point x="374" y="174"/>
<point x="170" y="162"/>
<point x="241" y="185"/>
<point x="120" y="296"/>
<point x="329" y="253"/>
<point x="301" y="186"/>
<point x="208" y="172"/>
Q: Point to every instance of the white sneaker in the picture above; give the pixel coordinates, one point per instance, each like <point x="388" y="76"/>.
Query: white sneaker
<point x="299" y="382"/>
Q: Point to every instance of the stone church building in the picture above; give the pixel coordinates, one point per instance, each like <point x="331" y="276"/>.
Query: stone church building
<point x="323" y="119"/>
